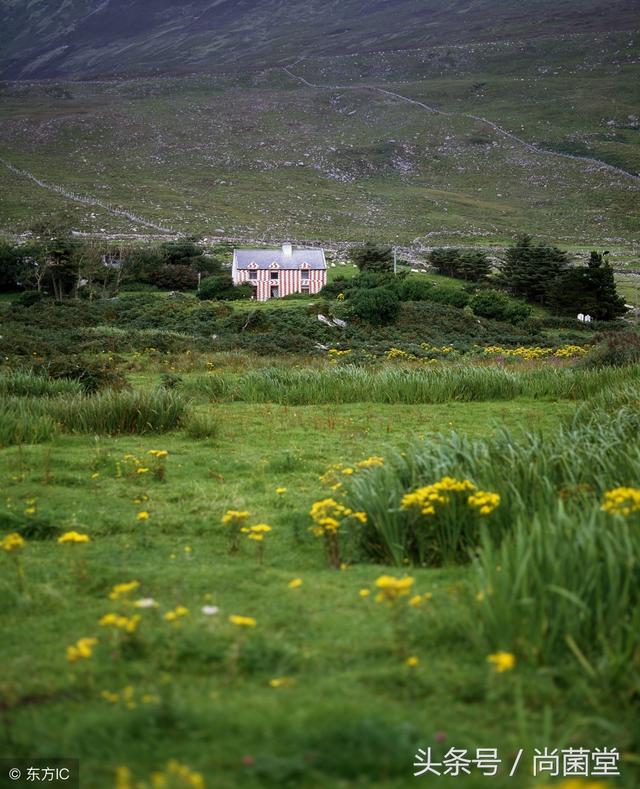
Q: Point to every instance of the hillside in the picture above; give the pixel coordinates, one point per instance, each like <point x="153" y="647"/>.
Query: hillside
<point x="83" y="38"/>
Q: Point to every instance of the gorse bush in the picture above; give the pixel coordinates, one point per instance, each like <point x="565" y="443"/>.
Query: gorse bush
<point x="529" y="475"/>
<point x="350" y="384"/>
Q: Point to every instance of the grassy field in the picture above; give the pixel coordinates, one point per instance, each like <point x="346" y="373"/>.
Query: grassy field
<point x="329" y="688"/>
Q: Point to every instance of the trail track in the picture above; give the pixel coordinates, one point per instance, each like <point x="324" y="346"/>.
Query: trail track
<point x="85" y="199"/>
<point x="499" y="129"/>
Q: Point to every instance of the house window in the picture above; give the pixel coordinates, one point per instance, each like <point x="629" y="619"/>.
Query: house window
<point x="304" y="274"/>
<point x="274" y="275"/>
<point x="253" y="275"/>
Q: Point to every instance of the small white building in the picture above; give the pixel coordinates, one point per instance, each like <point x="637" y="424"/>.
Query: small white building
<point x="274" y="273"/>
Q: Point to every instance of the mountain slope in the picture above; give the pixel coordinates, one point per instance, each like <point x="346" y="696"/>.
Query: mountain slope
<point x="84" y="38"/>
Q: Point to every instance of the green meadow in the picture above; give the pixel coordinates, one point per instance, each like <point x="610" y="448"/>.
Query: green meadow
<point x="319" y="684"/>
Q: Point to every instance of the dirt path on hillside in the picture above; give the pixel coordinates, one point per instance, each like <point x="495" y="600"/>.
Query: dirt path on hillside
<point x="85" y="199"/>
<point x="497" y="128"/>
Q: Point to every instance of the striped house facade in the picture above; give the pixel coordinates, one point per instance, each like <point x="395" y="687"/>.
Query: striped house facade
<point x="274" y="273"/>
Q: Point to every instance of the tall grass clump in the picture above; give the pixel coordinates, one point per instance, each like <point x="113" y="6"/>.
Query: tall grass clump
<point x="351" y="384"/>
<point x="114" y="412"/>
<point x="21" y="424"/>
<point x="522" y="477"/>
<point x="27" y="384"/>
<point x="563" y="587"/>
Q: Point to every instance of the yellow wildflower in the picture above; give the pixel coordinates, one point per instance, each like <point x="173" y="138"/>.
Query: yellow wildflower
<point x="143" y="515"/>
<point x="484" y="501"/>
<point x="128" y="624"/>
<point x="242" y="621"/>
<point x="502" y="661"/>
<point x="122" y="589"/>
<point x="370" y="462"/>
<point x="71" y="537"/>
<point x="178" y="613"/>
<point x="364" y="593"/>
<point x="281" y="491"/>
<point x="234" y="515"/>
<point x="412" y="661"/>
<point x="392" y="588"/>
<point x="12" y="542"/>
<point x="158" y="453"/>
<point x="295" y="584"/>
<point x="621" y="501"/>
<point x="142" y="470"/>
<point x="30" y="510"/>
<point x="416" y="600"/>
<point x="81" y="650"/>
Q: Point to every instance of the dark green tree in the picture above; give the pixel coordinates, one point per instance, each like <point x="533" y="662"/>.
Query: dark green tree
<point x="472" y="266"/>
<point x="589" y="289"/>
<point x="530" y="269"/>
<point x="372" y="257"/>
<point x="11" y="266"/>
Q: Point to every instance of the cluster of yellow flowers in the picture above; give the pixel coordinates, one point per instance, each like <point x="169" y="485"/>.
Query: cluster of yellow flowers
<point x="128" y="624"/>
<point x="81" y="650"/>
<point x="621" y="501"/>
<point x="73" y="537"/>
<point x="128" y="697"/>
<point x="158" y="453"/>
<point x="233" y="517"/>
<point x="484" y="501"/>
<point x="242" y="621"/>
<point x="398" y="353"/>
<point x="119" y="590"/>
<point x="12" y="542"/>
<point x="178" y="613"/>
<point x="502" y="661"/>
<point x="391" y="589"/>
<point x="370" y="462"/>
<point x="536" y="352"/>
<point x="438" y="494"/>
<point x="334" y="354"/>
<point x="257" y="532"/>
<point x="437" y="349"/>
<point x="327" y="515"/>
<point x="174" y="775"/>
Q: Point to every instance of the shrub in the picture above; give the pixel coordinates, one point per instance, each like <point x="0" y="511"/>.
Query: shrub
<point x="90" y="373"/>
<point x="498" y="306"/>
<point x="376" y="305"/>
<point x="221" y="287"/>
<point x="175" y="277"/>
<point x="614" y="349"/>
<point x="423" y="290"/>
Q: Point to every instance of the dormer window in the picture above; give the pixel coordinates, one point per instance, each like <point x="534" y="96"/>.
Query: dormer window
<point x="274" y="275"/>
<point x="304" y="273"/>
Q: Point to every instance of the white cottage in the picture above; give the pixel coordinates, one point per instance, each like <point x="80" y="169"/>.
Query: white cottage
<point x="274" y="273"/>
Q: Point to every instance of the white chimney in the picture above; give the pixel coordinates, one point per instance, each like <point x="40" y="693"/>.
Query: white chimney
<point x="287" y="250"/>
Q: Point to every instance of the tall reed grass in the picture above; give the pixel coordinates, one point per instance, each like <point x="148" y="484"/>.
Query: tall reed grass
<point x="530" y="473"/>
<point x="350" y="384"/>
<point x="27" y="384"/>
<point x="563" y="588"/>
<point x="33" y="419"/>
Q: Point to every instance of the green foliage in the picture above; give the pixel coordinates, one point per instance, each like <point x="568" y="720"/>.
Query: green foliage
<point x="221" y="288"/>
<point x="498" y="306"/>
<point x="528" y="473"/>
<point x="351" y="384"/>
<point x="529" y="269"/>
<point x="472" y="265"/>
<point x="375" y="305"/>
<point x="614" y="349"/>
<point x="562" y="590"/>
<point x="413" y="289"/>
<point x="372" y="257"/>
<point x="175" y="277"/>
<point x="11" y="266"/>
<point x="590" y="290"/>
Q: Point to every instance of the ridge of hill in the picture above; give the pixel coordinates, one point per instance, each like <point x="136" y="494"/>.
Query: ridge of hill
<point x="89" y="38"/>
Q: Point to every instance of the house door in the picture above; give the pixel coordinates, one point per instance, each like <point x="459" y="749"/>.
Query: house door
<point x="275" y="292"/>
